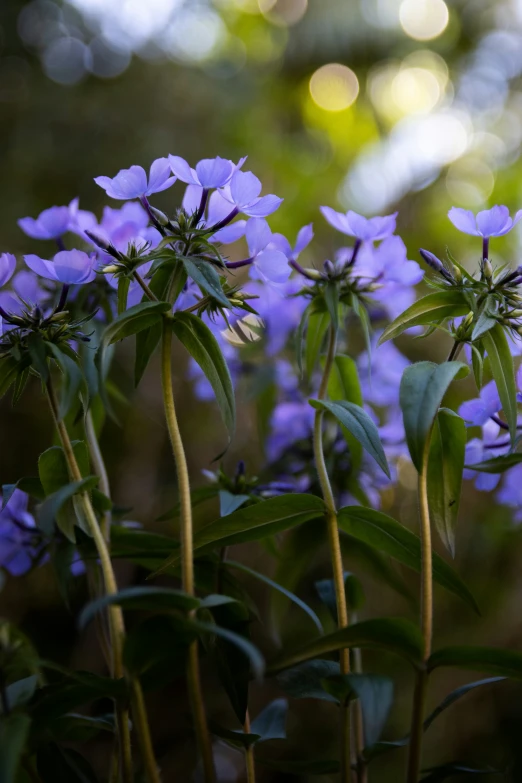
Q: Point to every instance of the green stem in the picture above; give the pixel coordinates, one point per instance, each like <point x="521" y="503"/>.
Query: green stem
<point x="335" y="549"/>
<point x="115" y="614"/>
<point x="455" y="350"/>
<point x="145" y="288"/>
<point x="99" y="469"/>
<point x="187" y="553"/>
<point x="361" y="766"/>
<point x="419" y="697"/>
<point x="249" y="753"/>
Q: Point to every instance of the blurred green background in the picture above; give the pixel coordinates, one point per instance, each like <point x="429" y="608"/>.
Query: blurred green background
<point x="374" y="105"/>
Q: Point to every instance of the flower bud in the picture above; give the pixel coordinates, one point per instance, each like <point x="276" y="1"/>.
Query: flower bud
<point x="110" y="270"/>
<point x="159" y="216"/>
<point x="516" y="314"/>
<point x="62" y="315"/>
<point x="99" y="241"/>
<point x="435" y="263"/>
<point x="466" y="323"/>
<point x="329" y="267"/>
<point x="487" y="269"/>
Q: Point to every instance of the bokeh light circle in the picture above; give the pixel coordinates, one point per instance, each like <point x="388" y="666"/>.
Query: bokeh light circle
<point x="423" y="19"/>
<point x="334" y="87"/>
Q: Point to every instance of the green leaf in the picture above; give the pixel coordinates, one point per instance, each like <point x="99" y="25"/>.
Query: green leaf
<point x="29" y="484"/>
<point x="20" y="692"/>
<point x="233" y="737"/>
<point x="291" y="596"/>
<point x="152" y="598"/>
<point x="493" y="660"/>
<point x="387" y="535"/>
<point x="204" y="274"/>
<point x="123" y="291"/>
<point x="458" y="693"/>
<point x="486" y="319"/>
<point x="146" y="342"/>
<point x="204" y="349"/>
<point x="73" y="727"/>
<point x="445" y="466"/>
<point x="72" y="380"/>
<point x="134" y="320"/>
<point x="14" y="730"/>
<point x="375" y="694"/>
<point x="305" y="681"/>
<point x="232" y="667"/>
<point x="445" y="771"/>
<point x="433" y="307"/>
<point x="344" y="384"/>
<point x="228" y="503"/>
<point x="73" y="690"/>
<point x="53" y="504"/>
<point x="299" y="338"/>
<point x="331" y="298"/>
<point x="497" y="464"/>
<point x="423" y="386"/>
<point x="9" y="369"/>
<point x="352" y="587"/>
<point x="270" y="724"/>
<point x="360" y="425"/>
<point x="477" y="362"/>
<point x="257" y="661"/>
<point x="399" y="636"/>
<point x="255" y="522"/>
<point x="318" y="324"/>
<point x="38" y="354"/>
<point x="503" y="371"/>
<point x="54" y="474"/>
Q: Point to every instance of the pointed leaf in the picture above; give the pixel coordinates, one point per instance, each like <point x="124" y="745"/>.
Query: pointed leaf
<point x="399" y="636"/>
<point x="228" y="503"/>
<point x="423" y="386"/>
<point x="204" y="349"/>
<point x="204" y="274"/>
<point x="14" y="730"/>
<point x="305" y="681"/>
<point x="497" y="464"/>
<point x="255" y="522"/>
<point x="152" y="598"/>
<point x="503" y="371"/>
<point x="389" y="536"/>
<point x="344" y="384"/>
<point x="53" y="504"/>
<point x="134" y="320"/>
<point x="294" y="598"/>
<point x="318" y="324"/>
<point x="445" y="466"/>
<point x="270" y="724"/>
<point x="493" y="660"/>
<point x="360" y="425"/>
<point x="458" y="693"/>
<point x="433" y="307"/>
<point x="146" y="342"/>
<point x="486" y="319"/>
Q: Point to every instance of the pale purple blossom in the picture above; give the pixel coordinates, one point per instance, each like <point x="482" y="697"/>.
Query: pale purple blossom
<point x="290" y="422"/>
<point x="510" y="493"/>
<point x="243" y="194"/>
<point x="267" y="264"/>
<point x="52" y="223"/>
<point x="71" y="267"/>
<point x="20" y="539"/>
<point x="480" y="449"/>
<point x="304" y="237"/>
<point x="478" y="411"/>
<point x="7" y="267"/>
<point x="133" y="183"/>
<point x="494" y="222"/>
<point x="364" y="229"/>
<point x="209" y="173"/>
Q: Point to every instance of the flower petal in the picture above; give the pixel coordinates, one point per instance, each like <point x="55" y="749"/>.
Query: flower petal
<point x="7" y="267"/>
<point x="258" y="235"/>
<point x="494" y="222"/>
<point x="41" y="266"/>
<point x="338" y="220"/>
<point x="245" y="187"/>
<point x="214" y="172"/>
<point x="273" y="266"/>
<point x="304" y="237"/>
<point x="160" y="176"/>
<point x="464" y="220"/>
<point x="182" y="170"/>
<point x="263" y="206"/>
<point x="74" y="267"/>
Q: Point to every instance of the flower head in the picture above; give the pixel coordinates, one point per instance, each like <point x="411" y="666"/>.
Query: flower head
<point x="20" y="540"/>
<point x="133" y="183"/>
<point x="478" y="411"/>
<point x="304" y="237"/>
<point x="72" y="267"/>
<point x="243" y="193"/>
<point x="494" y="222"/>
<point x="52" y="223"/>
<point x="268" y="264"/>
<point x="7" y="267"/>
<point x="365" y="229"/>
<point x="209" y="173"/>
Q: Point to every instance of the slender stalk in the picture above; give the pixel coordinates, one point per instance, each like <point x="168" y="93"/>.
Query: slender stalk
<point x="361" y="767"/>
<point x="99" y="469"/>
<point x="335" y="549"/>
<point x="187" y="554"/>
<point x="115" y="614"/>
<point x="249" y="754"/>
<point x="419" y="697"/>
<point x="144" y="287"/>
<point x="455" y="350"/>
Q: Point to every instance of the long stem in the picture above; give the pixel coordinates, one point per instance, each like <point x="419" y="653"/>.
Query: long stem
<point x="187" y="554"/>
<point x="99" y="469"/>
<point x="419" y="698"/>
<point x="335" y="549"/>
<point x="361" y="766"/>
<point x="249" y="754"/>
<point x="116" y="622"/>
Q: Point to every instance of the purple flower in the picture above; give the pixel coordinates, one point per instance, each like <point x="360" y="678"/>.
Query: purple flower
<point x="72" y="267"/>
<point x="290" y="422"/>
<point x="132" y="183"/>
<point x="7" y="267"/>
<point x="304" y="237"/>
<point x="280" y="310"/>
<point x="243" y="193"/>
<point x="365" y="229"/>
<point x="478" y="450"/>
<point x="267" y="264"/>
<point x="217" y="212"/>
<point x="20" y="539"/>
<point x="209" y="173"/>
<point x="478" y="411"/>
<point x="494" y="222"/>
<point x="50" y="224"/>
<point x="511" y="491"/>
<point x="381" y="373"/>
